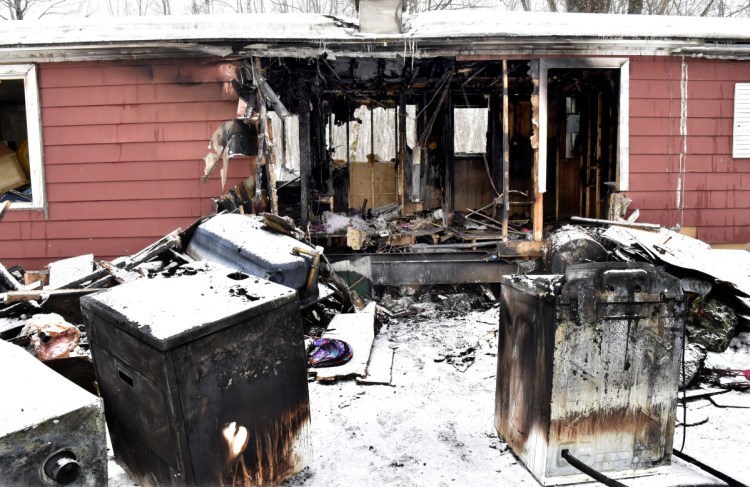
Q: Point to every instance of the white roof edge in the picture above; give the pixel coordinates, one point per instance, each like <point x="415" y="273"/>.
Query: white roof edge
<point x="51" y="39"/>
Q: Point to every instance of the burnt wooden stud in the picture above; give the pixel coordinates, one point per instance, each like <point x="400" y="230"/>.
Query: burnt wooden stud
<point x="506" y="153"/>
<point x="305" y="155"/>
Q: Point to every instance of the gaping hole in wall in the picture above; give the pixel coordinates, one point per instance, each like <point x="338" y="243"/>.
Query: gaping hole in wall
<point x="15" y="172"/>
<point x="437" y="143"/>
<point x="358" y="107"/>
<point x="583" y="111"/>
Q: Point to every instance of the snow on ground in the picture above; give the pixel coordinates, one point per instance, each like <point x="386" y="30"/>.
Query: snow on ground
<point x="434" y="425"/>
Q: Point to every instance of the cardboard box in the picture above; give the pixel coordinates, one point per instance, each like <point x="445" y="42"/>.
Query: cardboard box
<point x="11" y="174"/>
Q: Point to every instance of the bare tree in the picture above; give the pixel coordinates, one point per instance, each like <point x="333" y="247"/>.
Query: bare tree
<point x="22" y="9"/>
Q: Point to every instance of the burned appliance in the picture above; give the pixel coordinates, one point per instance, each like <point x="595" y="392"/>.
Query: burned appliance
<point x="243" y="242"/>
<point x="202" y="370"/>
<point x="51" y="430"/>
<point x="588" y="362"/>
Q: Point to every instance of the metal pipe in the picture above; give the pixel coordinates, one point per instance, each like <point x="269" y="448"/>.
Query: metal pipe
<point x="427" y="247"/>
<point x="312" y="277"/>
<point x="594" y="474"/>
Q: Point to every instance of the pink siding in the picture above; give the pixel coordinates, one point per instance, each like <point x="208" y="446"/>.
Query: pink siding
<point x="715" y="194"/>
<point x="124" y="143"/>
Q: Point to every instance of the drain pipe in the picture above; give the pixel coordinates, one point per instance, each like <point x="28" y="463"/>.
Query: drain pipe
<point x="594" y="474"/>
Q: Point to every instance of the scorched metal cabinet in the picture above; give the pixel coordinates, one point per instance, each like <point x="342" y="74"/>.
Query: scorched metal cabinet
<point x="203" y="376"/>
<point x="589" y="362"/>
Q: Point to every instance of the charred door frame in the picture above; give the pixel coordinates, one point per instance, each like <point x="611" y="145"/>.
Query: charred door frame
<point x="623" y="130"/>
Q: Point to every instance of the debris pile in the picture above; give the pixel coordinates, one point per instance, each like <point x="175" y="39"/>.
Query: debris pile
<point x="716" y="283"/>
<point x="386" y="229"/>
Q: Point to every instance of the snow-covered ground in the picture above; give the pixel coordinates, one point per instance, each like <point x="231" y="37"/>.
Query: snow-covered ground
<point x="434" y="425"/>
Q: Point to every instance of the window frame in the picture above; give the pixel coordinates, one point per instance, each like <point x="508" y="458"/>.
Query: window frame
<point x="28" y="73"/>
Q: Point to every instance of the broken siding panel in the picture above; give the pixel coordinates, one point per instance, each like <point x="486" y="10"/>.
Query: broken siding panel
<point x="123" y="174"/>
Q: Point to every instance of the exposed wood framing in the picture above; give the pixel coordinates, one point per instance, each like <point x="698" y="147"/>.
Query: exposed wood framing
<point x="450" y="160"/>
<point x="506" y="152"/>
<point x="305" y="156"/>
<point x="623" y="123"/>
<point x="538" y="143"/>
<point x="405" y="170"/>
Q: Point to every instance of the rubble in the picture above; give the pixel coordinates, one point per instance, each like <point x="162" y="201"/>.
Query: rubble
<point x="376" y="346"/>
<point x="711" y="324"/>
<point x="51" y="336"/>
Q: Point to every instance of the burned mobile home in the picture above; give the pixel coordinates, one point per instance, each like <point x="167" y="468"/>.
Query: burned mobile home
<point x="436" y="149"/>
<point x="117" y="116"/>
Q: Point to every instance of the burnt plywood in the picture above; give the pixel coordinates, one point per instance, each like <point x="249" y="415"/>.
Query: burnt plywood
<point x="472" y="186"/>
<point x="376" y="182"/>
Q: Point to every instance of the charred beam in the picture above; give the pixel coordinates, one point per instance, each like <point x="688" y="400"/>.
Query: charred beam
<point x="265" y="89"/>
<point x="305" y="156"/>
<point x="449" y="154"/>
<point x="538" y="106"/>
<point x="506" y="153"/>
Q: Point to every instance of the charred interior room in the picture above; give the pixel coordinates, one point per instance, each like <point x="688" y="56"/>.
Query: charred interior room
<point x="422" y="135"/>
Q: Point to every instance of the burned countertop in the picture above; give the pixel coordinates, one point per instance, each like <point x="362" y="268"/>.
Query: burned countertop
<point x="193" y="300"/>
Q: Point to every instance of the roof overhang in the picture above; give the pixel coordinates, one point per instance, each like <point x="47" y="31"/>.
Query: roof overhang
<point x="478" y="33"/>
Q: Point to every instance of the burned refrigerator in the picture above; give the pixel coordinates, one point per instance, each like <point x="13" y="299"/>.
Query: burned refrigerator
<point x="203" y="374"/>
<point x="588" y="362"/>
